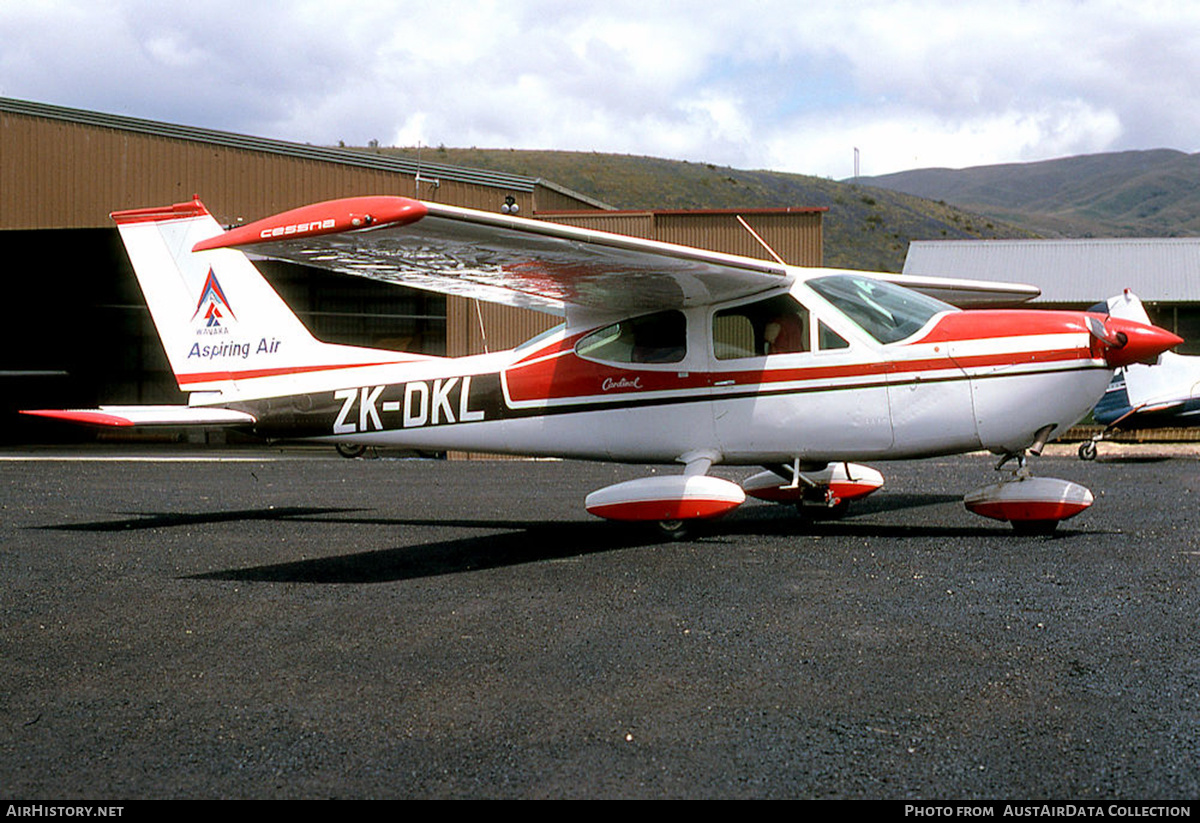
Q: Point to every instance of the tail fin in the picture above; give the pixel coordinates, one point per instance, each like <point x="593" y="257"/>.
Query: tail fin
<point x="1127" y="306"/>
<point x="218" y="318"/>
<point x="1175" y="379"/>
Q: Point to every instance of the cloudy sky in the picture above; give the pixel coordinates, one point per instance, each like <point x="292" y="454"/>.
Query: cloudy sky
<point x="792" y="86"/>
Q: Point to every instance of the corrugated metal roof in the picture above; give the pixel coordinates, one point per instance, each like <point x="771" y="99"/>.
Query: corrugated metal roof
<point x="696" y="212"/>
<point x="563" y="190"/>
<point x="349" y="157"/>
<point x="1070" y="271"/>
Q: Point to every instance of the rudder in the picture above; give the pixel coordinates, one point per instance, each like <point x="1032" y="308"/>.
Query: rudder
<point x="218" y="318"/>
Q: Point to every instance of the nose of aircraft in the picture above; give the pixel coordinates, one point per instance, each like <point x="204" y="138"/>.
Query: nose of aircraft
<point x="1127" y="341"/>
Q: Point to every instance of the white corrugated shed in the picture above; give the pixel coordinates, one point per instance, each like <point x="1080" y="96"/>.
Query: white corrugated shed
<point x="1071" y="271"/>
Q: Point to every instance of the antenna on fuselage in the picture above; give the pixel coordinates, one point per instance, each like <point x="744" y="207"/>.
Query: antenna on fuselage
<point x="482" y="330"/>
<point x="761" y="242"/>
<point x="433" y="182"/>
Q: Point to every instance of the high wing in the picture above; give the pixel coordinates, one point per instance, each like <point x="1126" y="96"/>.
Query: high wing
<point x="533" y="264"/>
<point x="510" y="260"/>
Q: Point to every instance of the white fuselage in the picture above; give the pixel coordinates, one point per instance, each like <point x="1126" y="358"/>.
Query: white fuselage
<point x="962" y="382"/>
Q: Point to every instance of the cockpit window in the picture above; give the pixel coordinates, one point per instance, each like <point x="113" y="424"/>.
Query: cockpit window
<point x="885" y="311"/>
<point x="652" y="338"/>
<point x="778" y="325"/>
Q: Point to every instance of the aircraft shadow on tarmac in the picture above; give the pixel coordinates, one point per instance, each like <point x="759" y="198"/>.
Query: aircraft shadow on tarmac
<point x="159" y="520"/>
<point x="517" y="542"/>
<point x="1134" y="458"/>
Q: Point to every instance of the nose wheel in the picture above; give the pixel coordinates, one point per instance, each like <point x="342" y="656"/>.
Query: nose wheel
<point x="1032" y="505"/>
<point x="675" y="529"/>
<point x="1035" y="528"/>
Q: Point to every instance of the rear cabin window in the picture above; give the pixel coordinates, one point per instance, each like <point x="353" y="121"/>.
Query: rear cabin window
<point x="779" y="325"/>
<point x="652" y="338"/>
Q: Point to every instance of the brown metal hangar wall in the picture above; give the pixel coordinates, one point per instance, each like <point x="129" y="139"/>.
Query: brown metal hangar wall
<point x="63" y="171"/>
<point x="58" y="174"/>
<point x="794" y="234"/>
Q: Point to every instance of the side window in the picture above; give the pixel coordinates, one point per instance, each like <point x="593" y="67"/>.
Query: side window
<point x="779" y="325"/>
<point x="652" y="338"/>
<point x="828" y="339"/>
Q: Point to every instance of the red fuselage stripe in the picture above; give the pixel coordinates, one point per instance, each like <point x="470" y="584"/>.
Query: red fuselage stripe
<point x="572" y="377"/>
<point x="248" y="374"/>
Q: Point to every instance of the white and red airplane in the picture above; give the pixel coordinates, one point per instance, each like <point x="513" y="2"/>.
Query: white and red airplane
<point x="1140" y="397"/>
<point x="668" y="354"/>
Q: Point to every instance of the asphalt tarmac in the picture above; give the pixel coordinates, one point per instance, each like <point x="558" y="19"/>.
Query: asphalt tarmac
<point x="286" y="625"/>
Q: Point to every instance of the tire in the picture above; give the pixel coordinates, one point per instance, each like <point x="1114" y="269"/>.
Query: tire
<point x="818" y="511"/>
<point x="1087" y="450"/>
<point x="1034" y="528"/>
<point x="350" y="450"/>
<point x="675" y="529"/>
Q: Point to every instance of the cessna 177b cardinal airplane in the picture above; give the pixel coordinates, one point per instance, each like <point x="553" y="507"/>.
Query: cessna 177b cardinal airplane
<point x="668" y="354"/>
<point x="1165" y="395"/>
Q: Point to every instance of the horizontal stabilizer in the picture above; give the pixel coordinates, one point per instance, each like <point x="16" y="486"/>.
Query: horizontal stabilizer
<point x="148" y="416"/>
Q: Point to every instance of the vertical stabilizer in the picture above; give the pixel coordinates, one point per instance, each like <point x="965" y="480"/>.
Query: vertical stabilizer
<point x="219" y="320"/>
<point x="1175" y="378"/>
<point x="1127" y="306"/>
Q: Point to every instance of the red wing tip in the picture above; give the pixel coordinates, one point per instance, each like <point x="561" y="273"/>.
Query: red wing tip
<point x="95" y="418"/>
<point x="328" y="217"/>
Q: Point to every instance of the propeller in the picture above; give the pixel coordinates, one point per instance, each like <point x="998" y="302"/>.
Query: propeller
<point x="1101" y="331"/>
<point x="1127" y="341"/>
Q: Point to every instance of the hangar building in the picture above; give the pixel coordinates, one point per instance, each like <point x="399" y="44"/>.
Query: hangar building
<point x="77" y="330"/>
<point x="1163" y="272"/>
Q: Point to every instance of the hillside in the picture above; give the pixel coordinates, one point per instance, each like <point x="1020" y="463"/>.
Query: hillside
<point x="865" y="228"/>
<point x="1123" y="194"/>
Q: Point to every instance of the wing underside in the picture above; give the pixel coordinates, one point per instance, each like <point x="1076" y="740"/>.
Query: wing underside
<point x="534" y="264"/>
<point x="515" y="261"/>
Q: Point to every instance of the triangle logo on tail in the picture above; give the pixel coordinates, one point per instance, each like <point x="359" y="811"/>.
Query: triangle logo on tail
<point x="213" y="305"/>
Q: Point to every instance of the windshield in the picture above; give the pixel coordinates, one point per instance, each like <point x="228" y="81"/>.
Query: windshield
<point x="884" y="310"/>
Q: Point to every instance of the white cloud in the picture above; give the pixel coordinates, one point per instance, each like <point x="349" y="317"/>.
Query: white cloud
<point x="762" y="84"/>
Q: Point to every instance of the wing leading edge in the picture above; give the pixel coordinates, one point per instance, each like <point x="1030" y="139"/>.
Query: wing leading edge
<point x="515" y="261"/>
<point x="535" y="264"/>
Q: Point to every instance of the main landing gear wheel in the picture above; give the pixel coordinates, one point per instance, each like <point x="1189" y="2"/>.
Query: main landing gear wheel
<point x="821" y="504"/>
<point x="675" y="529"/>
<point x="821" y="511"/>
<point x="838" y="510"/>
<point x="350" y="450"/>
<point x="1033" y="528"/>
<point x="1033" y="505"/>
<point x="1087" y="450"/>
